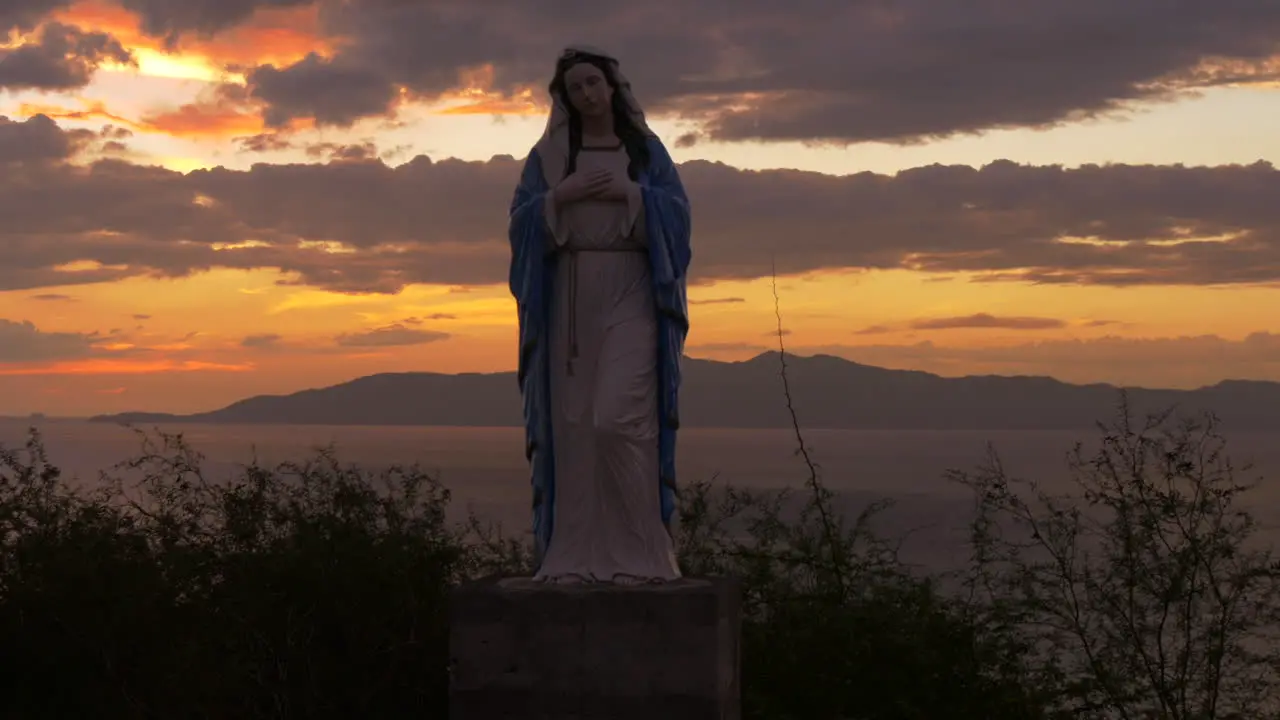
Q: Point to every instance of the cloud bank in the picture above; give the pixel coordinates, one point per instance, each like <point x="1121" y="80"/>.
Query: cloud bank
<point x="884" y="70"/>
<point x="361" y="225"/>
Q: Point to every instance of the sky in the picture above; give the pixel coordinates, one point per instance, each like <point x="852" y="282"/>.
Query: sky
<point x="203" y="200"/>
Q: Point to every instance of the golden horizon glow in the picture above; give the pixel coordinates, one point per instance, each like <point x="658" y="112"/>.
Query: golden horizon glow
<point x="123" y="367"/>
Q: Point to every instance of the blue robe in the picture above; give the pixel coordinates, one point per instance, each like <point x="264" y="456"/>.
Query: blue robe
<point x="667" y="221"/>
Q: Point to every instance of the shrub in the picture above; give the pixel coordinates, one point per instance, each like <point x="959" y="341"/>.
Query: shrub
<point x="307" y="590"/>
<point x="1144" y="591"/>
<point x="317" y="589"/>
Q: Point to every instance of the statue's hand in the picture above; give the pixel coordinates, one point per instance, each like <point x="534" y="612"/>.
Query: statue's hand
<point x="617" y="188"/>
<point x="581" y="186"/>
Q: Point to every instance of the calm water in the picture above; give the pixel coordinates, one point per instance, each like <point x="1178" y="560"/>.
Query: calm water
<point x="486" y="471"/>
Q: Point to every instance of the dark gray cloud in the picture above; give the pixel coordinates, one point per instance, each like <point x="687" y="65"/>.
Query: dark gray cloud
<point x="23" y="342"/>
<point x="687" y="140"/>
<point x="366" y="150"/>
<point x="718" y="301"/>
<point x="175" y="18"/>
<point x="62" y="58"/>
<point x="261" y="341"/>
<point x="264" y="142"/>
<point x="168" y="19"/>
<point x="889" y="70"/>
<point x="390" y="336"/>
<point x="986" y="320"/>
<point x="331" y="92"/>
<point x="364" y="226"/>
<point x="52" y="297"/>
<point x="894" y="70"/>
<point x="39" y="140"/>
<point x="24" y="15"/>
<point x="975" y="321"/>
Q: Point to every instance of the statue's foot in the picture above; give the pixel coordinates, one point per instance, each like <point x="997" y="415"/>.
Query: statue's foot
<point x="591" y="579"/>
<point x="626" y="579"/>
<point x="568" y="579"/>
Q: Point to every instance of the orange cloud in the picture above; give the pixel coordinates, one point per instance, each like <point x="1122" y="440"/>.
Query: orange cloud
<point x="1264" y="73"/>
<point x="277" y="36"/>
<point x="125" y="367"/>
<point x="477" y="97"/>
<point x="204" y="119"/>
<point x="496" y="105"/>
<point x="91" y="110"/>
<point x="212" y="117"/>
<point x="103" y="17"/>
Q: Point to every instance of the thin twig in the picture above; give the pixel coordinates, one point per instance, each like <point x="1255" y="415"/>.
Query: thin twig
<point x="814" y="482"/>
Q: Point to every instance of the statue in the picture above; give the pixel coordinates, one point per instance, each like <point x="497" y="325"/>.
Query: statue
<point x="599" y="231"/>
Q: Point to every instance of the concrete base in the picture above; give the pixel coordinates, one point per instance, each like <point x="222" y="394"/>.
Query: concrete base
<point x="531" y="651"/>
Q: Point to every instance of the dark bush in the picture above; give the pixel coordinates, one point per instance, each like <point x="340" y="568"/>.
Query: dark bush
<point x="318" y="590"/>
<point x="310" y="590"/>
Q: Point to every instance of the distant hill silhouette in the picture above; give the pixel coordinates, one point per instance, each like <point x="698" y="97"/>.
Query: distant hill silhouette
<point x="829" y="392"/>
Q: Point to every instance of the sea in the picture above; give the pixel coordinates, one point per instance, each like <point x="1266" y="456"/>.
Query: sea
<point x="486" y="472"/>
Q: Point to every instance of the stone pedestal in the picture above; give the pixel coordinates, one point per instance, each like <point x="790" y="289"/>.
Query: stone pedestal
<point x="521" y="650"/>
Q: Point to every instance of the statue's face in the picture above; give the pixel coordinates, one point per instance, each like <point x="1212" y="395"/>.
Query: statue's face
<point x="588" y="90"/>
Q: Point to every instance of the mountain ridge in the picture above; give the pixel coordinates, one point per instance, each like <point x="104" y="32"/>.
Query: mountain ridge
<point x="829" y="393"/>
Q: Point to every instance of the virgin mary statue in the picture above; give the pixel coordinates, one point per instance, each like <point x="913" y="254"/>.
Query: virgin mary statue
<point x="599" y="231"/>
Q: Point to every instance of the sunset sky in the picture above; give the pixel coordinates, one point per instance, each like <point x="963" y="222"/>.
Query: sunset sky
<point x="202" y="200"/>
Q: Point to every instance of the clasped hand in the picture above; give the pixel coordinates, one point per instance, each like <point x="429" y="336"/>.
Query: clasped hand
<point x="597" y="184"/>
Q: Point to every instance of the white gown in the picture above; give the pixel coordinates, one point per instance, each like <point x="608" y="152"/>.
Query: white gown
<point x="604" y="394"/>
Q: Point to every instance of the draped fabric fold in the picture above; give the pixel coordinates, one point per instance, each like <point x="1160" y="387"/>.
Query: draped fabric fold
<point x="530" y="279"/>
